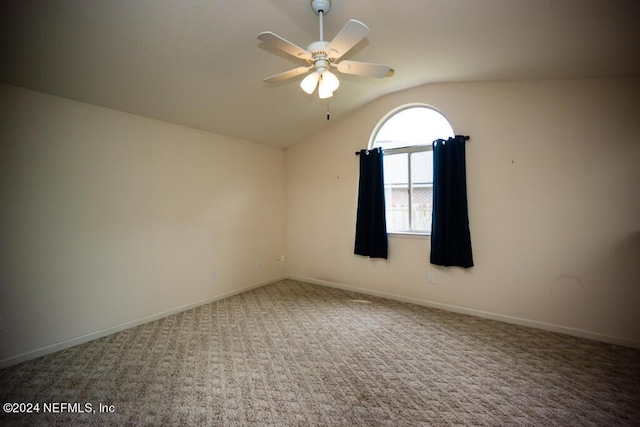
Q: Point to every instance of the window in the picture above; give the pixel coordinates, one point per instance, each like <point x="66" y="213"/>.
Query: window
<point x="406" y="135"/>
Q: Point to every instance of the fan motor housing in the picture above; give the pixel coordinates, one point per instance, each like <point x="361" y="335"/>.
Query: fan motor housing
<point x="319" y="54"/>
<point x="318" y="48"/>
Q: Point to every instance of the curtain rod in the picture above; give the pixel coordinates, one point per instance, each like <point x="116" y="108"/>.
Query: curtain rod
<point x="464" y="137"/>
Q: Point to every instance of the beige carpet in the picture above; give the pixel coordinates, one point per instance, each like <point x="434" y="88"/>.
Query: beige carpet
<point x="295" y="354"/>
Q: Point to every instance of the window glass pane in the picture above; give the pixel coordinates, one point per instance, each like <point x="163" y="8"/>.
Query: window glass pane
<point x="421" y="190"/>
<point x="412" y="126"/>
<point x="422" y="167"/>
<point x="396" y="185"/>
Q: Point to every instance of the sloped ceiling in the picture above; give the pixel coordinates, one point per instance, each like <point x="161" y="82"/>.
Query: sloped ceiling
<point x="198" y="63"/>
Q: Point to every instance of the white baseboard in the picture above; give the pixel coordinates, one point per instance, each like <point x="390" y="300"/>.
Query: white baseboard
<point x="43" y="351"/>
<point x="483" y="314"/>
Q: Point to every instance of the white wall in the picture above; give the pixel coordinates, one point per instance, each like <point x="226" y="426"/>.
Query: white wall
<point x="553" y="171"/>
<point x="109" y="219"/>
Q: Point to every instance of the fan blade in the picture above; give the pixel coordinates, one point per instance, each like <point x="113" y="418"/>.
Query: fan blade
<point x="364" y="69"/>
<point x="286" y="75"/>
<point x="350" y="35"/>
<point x="286" y="46"/>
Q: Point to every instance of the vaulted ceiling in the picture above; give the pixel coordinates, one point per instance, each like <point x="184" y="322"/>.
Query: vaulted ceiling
<point x="198" y="63"/>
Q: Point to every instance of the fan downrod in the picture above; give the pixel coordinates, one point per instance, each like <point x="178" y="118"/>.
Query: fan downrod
<point x="321" y="5"/>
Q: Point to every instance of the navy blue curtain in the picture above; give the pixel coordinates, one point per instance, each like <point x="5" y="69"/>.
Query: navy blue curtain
<point x="450" y="235"/>
<point x="371" y="226"/>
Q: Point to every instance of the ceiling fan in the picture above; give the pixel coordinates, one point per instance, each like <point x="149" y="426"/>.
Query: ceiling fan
<point x="321" y="55"/>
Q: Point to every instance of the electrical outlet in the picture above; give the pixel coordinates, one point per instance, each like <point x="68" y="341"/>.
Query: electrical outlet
<point x="214" y="276"/>
<point x="431" y="278"/>
<point x="282" y="258"/>
<point x="259" y="264"/>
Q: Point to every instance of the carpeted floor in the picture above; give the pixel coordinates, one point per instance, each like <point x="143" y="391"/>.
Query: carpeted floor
<point x="296" y="354"/>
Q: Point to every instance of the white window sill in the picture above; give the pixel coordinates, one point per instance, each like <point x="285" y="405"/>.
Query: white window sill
<point x="401" y="235"/>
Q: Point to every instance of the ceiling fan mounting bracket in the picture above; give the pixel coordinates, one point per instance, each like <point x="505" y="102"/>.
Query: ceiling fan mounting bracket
<point x="321" y="5"/>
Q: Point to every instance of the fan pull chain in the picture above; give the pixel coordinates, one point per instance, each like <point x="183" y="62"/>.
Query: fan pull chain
<point x="328" y="114"/>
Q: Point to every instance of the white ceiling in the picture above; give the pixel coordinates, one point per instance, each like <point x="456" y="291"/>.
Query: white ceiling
<point x="198" y="63"/>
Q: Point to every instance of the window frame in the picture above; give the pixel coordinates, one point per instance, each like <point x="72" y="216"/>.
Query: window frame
<point x="410" y="149"/>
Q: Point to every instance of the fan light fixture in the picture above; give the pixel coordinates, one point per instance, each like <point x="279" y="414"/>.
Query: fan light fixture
<point x="324" y="80"/>
<point x="322" y="55"/>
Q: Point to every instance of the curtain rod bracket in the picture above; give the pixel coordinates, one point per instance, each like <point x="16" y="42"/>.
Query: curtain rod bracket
<point x="379" y="149"/>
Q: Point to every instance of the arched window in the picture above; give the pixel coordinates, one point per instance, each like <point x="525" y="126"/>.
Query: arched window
<point x="406" y="135"/>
